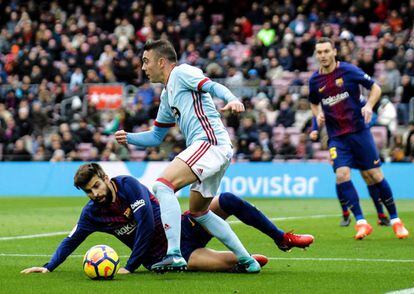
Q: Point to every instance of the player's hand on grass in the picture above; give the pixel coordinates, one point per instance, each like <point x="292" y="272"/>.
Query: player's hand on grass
<point x="121" y="137"/>
<point x="314" y="135"/>
<point x="366" y="112"/>
<point x="234" y="106"/>
<point x="123" y="271"/>
<point x="320" y="119"/>
<point x="35" y="269"/>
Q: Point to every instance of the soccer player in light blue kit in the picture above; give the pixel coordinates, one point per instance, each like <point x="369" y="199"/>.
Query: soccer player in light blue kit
<point x="186" y="100"/>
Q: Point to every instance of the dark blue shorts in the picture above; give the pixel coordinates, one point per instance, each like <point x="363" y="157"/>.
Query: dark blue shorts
<point x="354" y="150"/>
<point x="193" y="235"/>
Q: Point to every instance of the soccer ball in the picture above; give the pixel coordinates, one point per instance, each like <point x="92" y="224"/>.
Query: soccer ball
<point x="101" y="262"/>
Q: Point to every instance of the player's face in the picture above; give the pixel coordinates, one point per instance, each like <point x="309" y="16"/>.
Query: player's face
<point x="98" y="190"/>
<point x="151" y="66"/>
<point x="325" y="54"/>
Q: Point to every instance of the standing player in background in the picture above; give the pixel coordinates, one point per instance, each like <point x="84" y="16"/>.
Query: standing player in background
<point x="383" y="220"/>
<point x="186" y="100"/>
<point x="125" y="208"/>
<point x="336" y="87"/>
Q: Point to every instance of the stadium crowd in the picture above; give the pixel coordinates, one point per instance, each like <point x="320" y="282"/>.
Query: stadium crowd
<point x="50" y="52"/>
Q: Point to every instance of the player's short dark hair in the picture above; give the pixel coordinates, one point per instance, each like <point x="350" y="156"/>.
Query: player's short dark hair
<point x="86" y="172"/>
<point x="325" y="40"/>
<point x="162" y="48"/>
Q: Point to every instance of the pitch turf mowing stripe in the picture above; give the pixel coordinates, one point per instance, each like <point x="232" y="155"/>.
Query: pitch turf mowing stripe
<point x="230" y="222"/>
<point x="292" y="218"/>
<point x="270" y="258"/>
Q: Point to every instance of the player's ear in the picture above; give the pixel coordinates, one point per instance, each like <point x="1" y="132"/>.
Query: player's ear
<point x="161" y="62"/>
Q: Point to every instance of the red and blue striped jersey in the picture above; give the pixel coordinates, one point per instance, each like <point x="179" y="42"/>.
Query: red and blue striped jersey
<point x="134" y="218"/>
<point x="340" y="96"/>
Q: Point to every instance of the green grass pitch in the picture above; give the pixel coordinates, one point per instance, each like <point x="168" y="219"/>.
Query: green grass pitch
<point x="335" y="263"/>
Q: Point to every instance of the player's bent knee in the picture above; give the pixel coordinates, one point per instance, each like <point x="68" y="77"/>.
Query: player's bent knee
<point x="376" y="176"/>
<point x="196" y="214"/>
<point x="343" y="176"/>
<point x="161" y="183"/>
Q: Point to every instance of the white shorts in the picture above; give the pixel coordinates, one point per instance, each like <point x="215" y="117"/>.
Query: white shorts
<point x="209" y="163"/>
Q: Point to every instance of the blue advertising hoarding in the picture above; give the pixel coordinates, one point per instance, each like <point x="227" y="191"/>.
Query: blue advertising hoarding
<point x="287" y="180"/>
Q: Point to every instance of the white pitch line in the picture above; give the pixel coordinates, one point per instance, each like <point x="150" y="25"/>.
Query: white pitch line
<point x="34" y="236"/>
<point x="270" y="258"/>
<point x="402" y="291"/>
<point x="230" y="222"/>
<point x="342" y="259"/>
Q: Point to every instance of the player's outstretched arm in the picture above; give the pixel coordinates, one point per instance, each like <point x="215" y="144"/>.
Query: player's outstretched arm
<point x="68" y="245"/>
<point x="35" y="269"/>
<point x="222" y="92"/>
<point x="144" y="139"/>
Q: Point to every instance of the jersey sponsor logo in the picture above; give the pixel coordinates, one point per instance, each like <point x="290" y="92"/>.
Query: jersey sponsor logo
<point x="339" y="82"/>
<point x="175" y="112"/>
<point x="332" y="100"/>
<point x="167" y="227"/>
<point x="321" y="89"/>
<point x="126" y="230"/>
<point x="137" y="205"/>
<point x="200" y="171"/>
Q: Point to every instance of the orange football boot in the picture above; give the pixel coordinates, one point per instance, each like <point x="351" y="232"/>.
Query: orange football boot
<point x="363" y="230"/>
<point x="400" y="231"/>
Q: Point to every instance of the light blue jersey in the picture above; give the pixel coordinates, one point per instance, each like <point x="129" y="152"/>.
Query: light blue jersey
<point x="184" y="102"/>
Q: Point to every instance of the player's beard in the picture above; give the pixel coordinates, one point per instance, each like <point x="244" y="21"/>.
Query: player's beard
<point x="108" y="197"/>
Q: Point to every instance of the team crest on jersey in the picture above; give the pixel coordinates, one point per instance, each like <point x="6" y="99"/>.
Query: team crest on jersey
<point x="128" y="213"/>
<point x="176" y="112"/>
<point x="339" y="82"/>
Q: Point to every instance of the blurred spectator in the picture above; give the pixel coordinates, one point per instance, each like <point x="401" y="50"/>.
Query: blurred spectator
<point x="299" y="25"/>
<point x="76" y="78"/>
<point x="267" y="34"/>
<point x="286" y="150"/>
<point x="397" y="149"/>
<point x="366" y="63"/>
<point x="68" y="143"/>
<point x="386" y="115"/>
<point x="266" y="144"/>
<point x="285" y="59"/>
<point x="407" y="93"/>
<point x="275" y="70"/>
<point x="304" y="148"/>
<point x="299" y="61"/>
<point x="286" y="116"/>
<point x="248" y="130"/>
<point x="409" y="142"/>
<point x="83" y="133"/>
<point x="19" y="152"/>
<point x="393" y="77"/>
<point x="303" y="114"/>
<point x="39" y="119"/>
